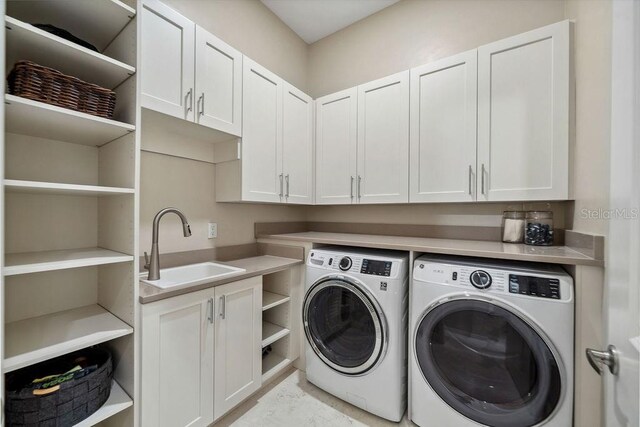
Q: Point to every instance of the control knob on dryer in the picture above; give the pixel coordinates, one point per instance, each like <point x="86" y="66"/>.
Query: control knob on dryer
<point x="345" y="263"/>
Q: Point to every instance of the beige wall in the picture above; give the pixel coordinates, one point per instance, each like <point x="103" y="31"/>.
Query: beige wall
<point x="592" y="48"/>
<point x="415" y="32"/>
<point x="254" y="30"/>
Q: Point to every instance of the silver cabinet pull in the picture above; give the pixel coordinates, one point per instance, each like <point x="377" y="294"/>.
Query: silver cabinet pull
<point x="286" y="177"/>
<point x="359" y="186"/>
<point x="188" y="104"/>
<point x="200" y="105"/>
<point x="223" y="306"/>
<point x="281" y="185"/>
<point x="482" y="178"/>
<point x="470" y="175"/>
<point x="351" y="187"/>
<point x="598" y="359"/>
<point x="210" y="310"/>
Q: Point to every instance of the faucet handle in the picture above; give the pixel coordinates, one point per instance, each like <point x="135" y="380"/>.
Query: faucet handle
<point x="146" y="260"/>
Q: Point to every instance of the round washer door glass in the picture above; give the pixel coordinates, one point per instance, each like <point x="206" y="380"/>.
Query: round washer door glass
<point x="487" y="363"/>
<point x="343" y="326"/>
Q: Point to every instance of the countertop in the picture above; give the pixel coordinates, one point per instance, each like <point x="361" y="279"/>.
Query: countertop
<point x="484" y="249"/>
<point x="254" y="266"/>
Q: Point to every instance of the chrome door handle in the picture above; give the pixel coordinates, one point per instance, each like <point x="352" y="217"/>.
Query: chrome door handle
<point x="223" y="306"/>
<point x="286" y="178"/>
<point x="359" y="186"/>
<point x="598" y="359"/>
<point x="200" y="105"/>
<point x="351" y="187"/>
<point x="188" y="105"/>
<point x="482" y="178"/>
<point x="470" y="175"/>
<point x="210" y="310"/>
<point x="281" y="185"/>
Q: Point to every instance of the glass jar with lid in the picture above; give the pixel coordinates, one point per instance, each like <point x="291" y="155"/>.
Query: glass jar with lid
<point x="539" y="228"/>
<point x="513" y="226"/>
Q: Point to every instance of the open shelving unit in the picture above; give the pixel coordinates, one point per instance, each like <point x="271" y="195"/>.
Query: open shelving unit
<point x="70" y="185"/>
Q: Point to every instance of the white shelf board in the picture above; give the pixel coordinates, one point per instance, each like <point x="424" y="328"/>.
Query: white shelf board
<point x="96" y="21"/>
<point x="33" y="118"/>
<point x="272" y="365"/>
<point x="270" y="300"/>
<point x="39" y="187"/>
<point x="24" y="41"/>
<point x="272" y="333"/>
<point x="42" y="338"/>
<point x="118" y="401"/>
<point x="34" y="262"/>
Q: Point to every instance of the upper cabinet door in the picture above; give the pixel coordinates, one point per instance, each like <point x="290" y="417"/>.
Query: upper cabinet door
<point x="167" y="60"/>
<point x="443" y="130"/>
<point x="383" y="140"/>
<point x="297" y="145"/>
<point x="218" y="91"/>
<point x="262" y="178"/>
<point x="336" y="146"/>
<point x="238" y="343"/>
<point x="524" y="85"/>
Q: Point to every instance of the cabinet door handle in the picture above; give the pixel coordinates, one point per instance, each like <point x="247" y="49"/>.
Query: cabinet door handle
<point x="188" y="104"/>
<point x="210" y="310"/>
<point x="281" y="185"/>
<point x="351" y="187"/>
<point x="200" y="105"/>
<point x="286" y="177"/>
<point x="359" y="186"/>
<point x="223" y="306"/>
<point x="482" y="179"/>
<point x="470" y="175"/>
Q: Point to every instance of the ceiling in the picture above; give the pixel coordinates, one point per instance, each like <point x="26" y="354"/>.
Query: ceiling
<point x="316" y="19"/>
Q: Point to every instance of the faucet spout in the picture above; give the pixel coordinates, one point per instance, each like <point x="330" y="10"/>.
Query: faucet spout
<point x="153" y="265"/>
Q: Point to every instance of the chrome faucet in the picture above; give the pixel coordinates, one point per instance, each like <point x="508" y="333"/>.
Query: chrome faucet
<point x="153" y="265"/>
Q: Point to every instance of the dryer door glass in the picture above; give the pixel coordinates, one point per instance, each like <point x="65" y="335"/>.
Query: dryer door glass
<point x="343" y="326"/>
<point x="488" y="363"/>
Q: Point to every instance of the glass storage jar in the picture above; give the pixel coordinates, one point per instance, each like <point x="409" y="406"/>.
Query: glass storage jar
<point x="513" y="226"/>
<point x="539" y="228"/>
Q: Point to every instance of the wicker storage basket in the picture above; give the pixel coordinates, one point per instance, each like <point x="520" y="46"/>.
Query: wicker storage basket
<point x="74" y="401"/>
<point x="33" y="81"/>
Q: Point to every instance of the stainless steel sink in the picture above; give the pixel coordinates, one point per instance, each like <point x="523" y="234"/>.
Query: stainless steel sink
<point x="194" y="274"/>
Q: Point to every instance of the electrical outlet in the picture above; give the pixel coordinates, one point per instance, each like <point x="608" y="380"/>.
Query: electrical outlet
<point x="213" y="230"/>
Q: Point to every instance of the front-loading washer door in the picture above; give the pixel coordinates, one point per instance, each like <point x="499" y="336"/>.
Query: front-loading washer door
<point x="344" y="325"/>
<point x="488" y="363"/>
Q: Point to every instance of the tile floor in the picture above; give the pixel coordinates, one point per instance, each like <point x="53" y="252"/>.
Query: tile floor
<point x="291" y="401"/>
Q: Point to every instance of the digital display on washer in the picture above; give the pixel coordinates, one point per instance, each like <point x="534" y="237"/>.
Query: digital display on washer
<point x="375" y="267"/>
<point x="536" y="286"/>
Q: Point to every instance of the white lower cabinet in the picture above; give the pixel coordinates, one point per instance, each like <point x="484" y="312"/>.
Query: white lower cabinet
<point x="201" y="354"/>
<point x="238" y="343"/>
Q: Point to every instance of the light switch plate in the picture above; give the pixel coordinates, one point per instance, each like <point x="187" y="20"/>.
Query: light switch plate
<point x="212" y="230"/>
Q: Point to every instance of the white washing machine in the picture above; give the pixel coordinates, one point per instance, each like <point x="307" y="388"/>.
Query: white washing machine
<point x="491" y="343"/>
<point x="355" y="321"/>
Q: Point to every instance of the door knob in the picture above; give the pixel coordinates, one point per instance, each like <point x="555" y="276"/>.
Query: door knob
<point x="597" y="359"/>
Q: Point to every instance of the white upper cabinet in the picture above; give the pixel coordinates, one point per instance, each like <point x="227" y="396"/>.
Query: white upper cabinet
<point x="524" y="85"/>
<point x="336" y="147"/>
<point x="238" y="339"/>
<point x="218" y="84"/>
<point x="262" y="177"/>
<point x="443" y="130"/>
<point x="383" y="140"/>
<point x="167" y="60"/>
<point x="297" y="145"/>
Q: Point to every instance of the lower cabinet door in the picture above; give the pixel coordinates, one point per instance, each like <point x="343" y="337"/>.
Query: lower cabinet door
<point x="238" y="338"/>
<point x="177" y="361"/>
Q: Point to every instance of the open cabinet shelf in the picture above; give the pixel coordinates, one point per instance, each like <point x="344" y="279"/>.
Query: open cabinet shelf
<point x="118" y="401"/>
<point x="270" y="300"/>
<point x="96" y="21"/>
<point x="24" y="41"/>
<point x="35" y="262"/>
<point x="272" y="365"/>
<point x="27" y="117"/>
<point x="272" y="333"/>
<point x="38" y="187"/>
<point x="42" y="338"/>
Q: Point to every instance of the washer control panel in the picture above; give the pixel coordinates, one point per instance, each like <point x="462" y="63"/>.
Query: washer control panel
<point x="371" y="265"/>
<point x="543" y="287"/>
